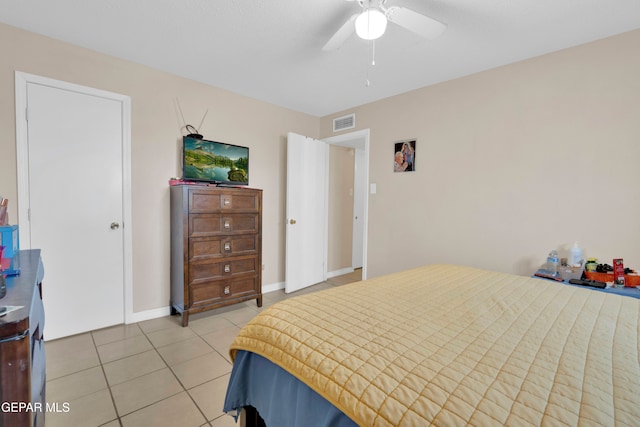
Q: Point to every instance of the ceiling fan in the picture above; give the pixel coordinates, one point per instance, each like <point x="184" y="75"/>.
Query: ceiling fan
<point x="371" y="23"/>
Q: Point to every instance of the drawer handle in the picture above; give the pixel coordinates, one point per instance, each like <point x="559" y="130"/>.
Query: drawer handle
<point x="227" y="202"/>
<point x="227" y="268"/>
<point x="227" y="223"/>
<point x="227" y="246"/>
<point x="227" y="291"/>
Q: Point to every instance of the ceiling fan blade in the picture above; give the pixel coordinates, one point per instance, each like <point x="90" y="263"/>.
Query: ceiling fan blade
<point x="341" y="36"/>
<point x="422" y="25"/>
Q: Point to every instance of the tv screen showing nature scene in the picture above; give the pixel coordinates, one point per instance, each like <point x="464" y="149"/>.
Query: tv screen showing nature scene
<point x="213" y="161"/>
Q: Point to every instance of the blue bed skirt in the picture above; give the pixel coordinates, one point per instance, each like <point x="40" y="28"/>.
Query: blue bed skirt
<point x="280" y="399"/>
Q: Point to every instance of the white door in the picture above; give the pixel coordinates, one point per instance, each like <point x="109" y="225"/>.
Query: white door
<point x="306" y="212"/>
<point x="75" y="186"/>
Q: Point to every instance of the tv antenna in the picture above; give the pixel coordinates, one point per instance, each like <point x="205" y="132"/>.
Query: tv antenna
<point x="194" y="132"/>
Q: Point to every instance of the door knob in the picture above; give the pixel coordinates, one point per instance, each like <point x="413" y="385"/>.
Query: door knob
<point x="292" y="221"/>
<point x="115" y="226"/>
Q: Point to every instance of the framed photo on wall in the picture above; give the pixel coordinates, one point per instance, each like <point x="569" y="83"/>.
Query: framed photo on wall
<point x="404" y="156"/>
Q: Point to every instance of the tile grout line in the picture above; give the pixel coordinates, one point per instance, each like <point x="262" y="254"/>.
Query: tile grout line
<point x="106" y="380"/>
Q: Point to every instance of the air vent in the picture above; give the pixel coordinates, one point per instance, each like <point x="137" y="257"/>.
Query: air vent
<point x="344" y="122"/>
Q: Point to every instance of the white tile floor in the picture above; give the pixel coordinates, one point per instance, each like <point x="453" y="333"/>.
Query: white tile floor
<point x="153" y="373"/>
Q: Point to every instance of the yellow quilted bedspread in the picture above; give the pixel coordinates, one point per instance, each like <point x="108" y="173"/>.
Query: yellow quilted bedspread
<point x="448" y="345"/>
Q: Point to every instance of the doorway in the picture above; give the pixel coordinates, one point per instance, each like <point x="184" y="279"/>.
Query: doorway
<point x="307" y="214"/>
<point x="359" y="142"/>
<point x="74" y="200"/>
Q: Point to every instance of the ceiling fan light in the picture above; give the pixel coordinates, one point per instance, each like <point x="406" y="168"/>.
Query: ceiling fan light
<point x="371" y="24"/>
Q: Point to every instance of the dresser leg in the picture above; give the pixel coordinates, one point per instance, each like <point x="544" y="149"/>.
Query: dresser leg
<point x="259" y="301"/>
<point x="185" y="319"/>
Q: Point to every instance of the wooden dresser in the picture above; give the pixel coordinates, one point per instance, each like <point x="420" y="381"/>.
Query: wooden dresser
<point x="216" y="247"/>
<point x="22" y="356"/>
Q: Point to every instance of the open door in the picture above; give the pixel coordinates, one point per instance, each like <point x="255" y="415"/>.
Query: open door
<point x="306" y="212"/>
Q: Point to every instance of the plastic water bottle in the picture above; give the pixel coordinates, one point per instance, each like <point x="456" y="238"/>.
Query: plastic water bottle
<point x="575" y="255"/>
<point x="552" y="263"/>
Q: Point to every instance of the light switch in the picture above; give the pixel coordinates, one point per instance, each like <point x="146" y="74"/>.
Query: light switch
<point x="372" y="188"/>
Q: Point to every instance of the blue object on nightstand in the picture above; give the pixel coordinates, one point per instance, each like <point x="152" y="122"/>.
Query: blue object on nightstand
<point x="10" y="239"/>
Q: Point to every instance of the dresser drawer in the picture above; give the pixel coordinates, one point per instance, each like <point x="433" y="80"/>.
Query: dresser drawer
<point x="208" y="224"/>
<point x="210" y="292"/>
<point x="202" y="248"/>
<point x="239" y="200"/>
<point x="222" y="268"/>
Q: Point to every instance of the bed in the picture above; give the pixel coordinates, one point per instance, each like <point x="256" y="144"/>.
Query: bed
<point x="441" y="345"/>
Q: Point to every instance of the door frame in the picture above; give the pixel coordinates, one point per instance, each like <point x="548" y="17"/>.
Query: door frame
<point x="22" y="80"/>
<point x="358" y="140"/>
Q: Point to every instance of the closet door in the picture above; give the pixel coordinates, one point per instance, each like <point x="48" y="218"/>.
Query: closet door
<point x="75" y="211"/>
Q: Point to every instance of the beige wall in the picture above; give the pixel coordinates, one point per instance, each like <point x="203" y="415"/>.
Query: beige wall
<point x="155" y="137"/>
<point x="511" y="163"/>
<point x="340" y="233"/>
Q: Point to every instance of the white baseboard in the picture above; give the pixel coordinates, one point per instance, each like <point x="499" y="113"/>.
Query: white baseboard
<point x="141" y="316"/>
<point x="154" y="313"/>
<point x="340" y="272"/>
<point x="280" y="285"/>
<point x="272" y="287"/>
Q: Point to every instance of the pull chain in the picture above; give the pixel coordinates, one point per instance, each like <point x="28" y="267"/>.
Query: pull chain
<point x="373" y="62"/>
<point x="373" y="53"/>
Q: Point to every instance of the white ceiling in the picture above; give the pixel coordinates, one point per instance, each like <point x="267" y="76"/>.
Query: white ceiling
<point x="272" y="49"/>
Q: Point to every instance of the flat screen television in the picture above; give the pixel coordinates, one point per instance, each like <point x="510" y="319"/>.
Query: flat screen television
<point x="214" y="162"/>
